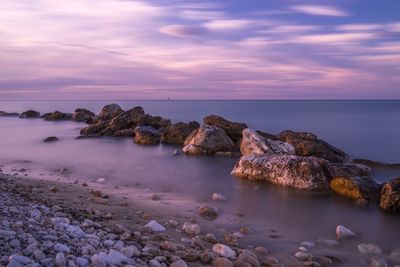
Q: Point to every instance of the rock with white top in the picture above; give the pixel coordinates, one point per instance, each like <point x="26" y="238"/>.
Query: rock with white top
<point x="343" y="232"/>
<point x="155" y="226"/>
<point x="224" y="251"/>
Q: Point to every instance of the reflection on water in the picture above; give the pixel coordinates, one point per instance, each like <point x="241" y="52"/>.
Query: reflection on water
<point x="305" y="215"/>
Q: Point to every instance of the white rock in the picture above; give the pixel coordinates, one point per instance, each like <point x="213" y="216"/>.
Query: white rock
<point x="303" y="249"/>
<point x="155" y="226"/>
<point x="303" y="256"/>
<point x="176" y="152"/>
<point x="218" y="197"/>
<point x="307" y="244"/>
<point x="224" y="251"/>
<point x="191" y="228"/>
<point x="343" y="232"/>
<point x="101" y="180"/>
<point x="369" y="249"/>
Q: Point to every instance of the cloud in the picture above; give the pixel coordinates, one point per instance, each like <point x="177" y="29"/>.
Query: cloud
<point x="232" y="24"/>
<point x="333" y="38"/>
<point x="320" y="10"/>
<point x="183" y="30"/>
<point x="359" y="27"/>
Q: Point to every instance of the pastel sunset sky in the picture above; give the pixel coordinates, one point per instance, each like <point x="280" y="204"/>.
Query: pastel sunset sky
<point x="229" y="49"/>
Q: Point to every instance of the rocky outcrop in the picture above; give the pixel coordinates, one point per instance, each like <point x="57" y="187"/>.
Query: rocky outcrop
<point x="178" y="132"/>
<point x="307" y="173"/>
<point x="390" y="196"/>
<point x="232" y="129"/>
<point x="124" y="123"/>
<point x="8" y="114"/>
<point x="254" y="144"/>
<point x="83" y="115"/>
<point x="194" y="150"/>
<point x="57" y="116"/>
<point x="349" y="170"/>
<point x="377" y="164"/>
<point x="209" y="138"/>
<point x="147" y="135"/>
<point x="30" y="114"/>
<point x="307" y="144"/>
<point x="108" y="112"/>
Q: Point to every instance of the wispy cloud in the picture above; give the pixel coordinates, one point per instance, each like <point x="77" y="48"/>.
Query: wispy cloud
<point x="320" y="10"/>
<point x="183" y="30"/>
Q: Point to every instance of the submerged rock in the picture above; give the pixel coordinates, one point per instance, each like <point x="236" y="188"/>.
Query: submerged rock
<point x="232" y="129"/>
<point x="8" y="114"/>
<point x="343" y="232"/>
<point x="255" y="144"/>
<point x="51" y="139"/>
<point x="369" y="249"/>
<point x="57" y="116"/>
<point x="390" y="196"/>
<point x="147" y="135"/>
<point x="178" y="132"/>
<point x="306" y="173"/>
<point x="29" y="114"/>
<point x="83" y="115"/>
<point x="307" y="144"/>
<point x="209" y="138"/>
<point x="208" y="212"/>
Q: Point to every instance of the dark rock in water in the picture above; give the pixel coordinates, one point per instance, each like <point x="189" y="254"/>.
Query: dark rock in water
<point x="147" y="135"/>
<point x="307" y="144"/>
<point x="209" y="138"/>
<point x="108" y="112"/>
<point x="178" y="132"/>
<point x="232" y="129"/>
<point x="349" y="170"/>
<point x="57" y="116"/>
<point x="8" y="114"/>
<point x="124" y="123"/>
<point x="208" y="212"/>
<point x="29" y="114"/>
<point x="50" y="139"/>
<point x="255" y="144"/>
<point x="390" y="196"/>
<point x="307" y="173"/>
<point x="83" y="115"/>
<point x="377" y="164"/>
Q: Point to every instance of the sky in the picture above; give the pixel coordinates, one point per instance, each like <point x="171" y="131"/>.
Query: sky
<point x="227" y="49"/>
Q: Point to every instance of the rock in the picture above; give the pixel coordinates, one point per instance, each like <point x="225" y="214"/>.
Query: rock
<point x="261" y="250"/>
<point x="62" y="248"/>
<point x="191" y="228"/>
<point x="175" y="153"/>
<point x="109" y="111"/>
<point x="222" y="262"/>
<point x="224" y="251"/>
<point x="343" y="232"/>
<point x="312" y="264"/>
<point x="180" y="263"/>
<point x="155" y="226"/>
<point x="369" y="249"/>
<point x="349" y="170"/>
<point x="51" y="139"/>
<point x="379" y="263"/>
<point x="101" y="180"/>
<point x="255" y="144"/>
<point x="194" y="150"/>
<point x="209" y="138"/>
<point x="147" y="135"/>
<point x="131" y="251"/>
<point x="60" y="260"/>
<point x="232" y="129"/>
<point x="303" y="256"/>
<point x="156" y="197"/>
<point x="240" y="263"/>
<point x="178" y="132"/>
<point x="30" y="114"/>
<point x="328" y="242"/>
<point x="390" y="196"/>
<point x="218" y="197"/>
<point x="307" y="144"/>
<point x="395" y="255"/>
<point x="307" y="244"/>
<point x="83" y="115"/>
<point x="8" y="114"/>
<point x="57" y="116"/>
<point x="39" y="255"/>
<point x="307" y="173"/>
<point x="15" y="243"/>
<point x="208" y="212"/>
<point x="249" y="257"/>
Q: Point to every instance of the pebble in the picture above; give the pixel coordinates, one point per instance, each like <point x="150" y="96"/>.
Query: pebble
<point x="191" y="228"/>
<point x="218" y="197"/>
<point x="343" y="232"/>
<point x="62" y="248"/>
<point x="180" y="263"/>
<point x="224" y="251"/>
<point x="208" y="212"/>
<point x="101" y="180"/>
<point x="155" y="226"/>
<point x="369" y="249"/>
<point x="303" y="256"/>
<point x="378" y="263"/>
<point x="222" y="262"/>
<point x="60" y="260"/>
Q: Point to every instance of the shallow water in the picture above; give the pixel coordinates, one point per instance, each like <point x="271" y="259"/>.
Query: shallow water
<point x="363" y="129"/>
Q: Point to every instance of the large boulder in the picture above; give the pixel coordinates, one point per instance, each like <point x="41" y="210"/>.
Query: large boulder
<point x="108" y="112"/>
<point x="30" y="114"/>
<point x="210" y="138"/>
<point x="232" y="129"/>
<point x="147" y="135"/>
<point x="57" y="116"/>
<point x="390" y="196"/>
<point x="255" y="144"/>
<point x="8" y="114"/>
<point x="306" y="173"/>
<point x="307" y="144"/>
<point x="178" y="132"/>
<point x="350" y="170"/>
<point x="83" y="115"/>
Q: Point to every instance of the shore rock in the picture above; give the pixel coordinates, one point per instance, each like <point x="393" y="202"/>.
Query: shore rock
<point x="8" y="114"/>
<point x="29" y="114"/>
<point x="109" y="111"/>
<point x="208" y="212"/>
<point x="369" y="249"/>
<point x="307" y="144"/>
<point x="390" y="196"/>
<point x="209" y="138"/>
<point x="350" y="170"/>
<point x="191" y="228"/>
<point x="255" y="144"/>
<point x="224" y="251"/>
<point x="307" y="173"/>
<point x="178" y="132"/>
<point x="376" y="164"/>
<point x="147" y="135"/>
<point x="57" y="116"/>
<point x="343" y="232"/>
<point x="83" y="115"/>
<point x="194" y="150"/>
<point x="51" y="139"/>
<point x="233" y="129"/>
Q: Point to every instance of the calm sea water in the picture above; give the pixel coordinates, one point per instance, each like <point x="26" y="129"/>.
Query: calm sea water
<point x="365" y="129"/>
